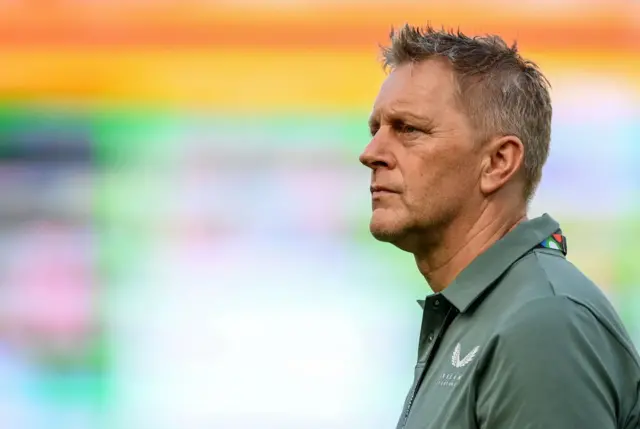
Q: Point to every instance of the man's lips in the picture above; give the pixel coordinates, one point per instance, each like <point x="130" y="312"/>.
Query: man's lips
<point x="380" y="189"/>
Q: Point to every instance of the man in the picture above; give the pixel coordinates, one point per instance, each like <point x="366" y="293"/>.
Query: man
<point x="514" y="336"/>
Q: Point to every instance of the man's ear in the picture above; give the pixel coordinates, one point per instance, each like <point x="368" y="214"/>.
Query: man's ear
<point x="503" y="157"/>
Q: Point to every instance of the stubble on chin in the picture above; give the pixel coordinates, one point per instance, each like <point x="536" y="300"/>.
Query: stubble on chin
<point x="387" y="227"/>
<point x="392" y="227"/>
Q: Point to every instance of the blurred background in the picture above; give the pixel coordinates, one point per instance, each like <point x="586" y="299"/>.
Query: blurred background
<point x="184" y="222"/>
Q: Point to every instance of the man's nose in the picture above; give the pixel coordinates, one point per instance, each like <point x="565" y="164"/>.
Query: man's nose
<point x="376" y="154"/>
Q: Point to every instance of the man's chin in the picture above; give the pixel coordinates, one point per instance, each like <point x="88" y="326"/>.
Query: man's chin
<point x="385" y="231"/>
<point x="383" y="235"/>
<point x="391" y="228"/>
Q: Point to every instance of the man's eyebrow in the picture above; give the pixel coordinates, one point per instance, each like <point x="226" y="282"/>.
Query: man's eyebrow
<point x="404" y="114"/>
<point x="398" y="115"/>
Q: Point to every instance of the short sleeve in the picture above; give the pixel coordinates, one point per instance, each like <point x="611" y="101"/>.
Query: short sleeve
<point x="554" y="365"/>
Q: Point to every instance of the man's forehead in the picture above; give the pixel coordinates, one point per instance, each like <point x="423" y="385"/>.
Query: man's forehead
<point x="400" y="109"/>
<point x="425" y="85"/>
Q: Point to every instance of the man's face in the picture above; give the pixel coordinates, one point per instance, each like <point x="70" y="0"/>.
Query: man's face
<point x="424" y="159"/>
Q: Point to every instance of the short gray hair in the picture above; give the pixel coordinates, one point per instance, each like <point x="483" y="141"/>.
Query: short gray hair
<point x="503" y="93"/>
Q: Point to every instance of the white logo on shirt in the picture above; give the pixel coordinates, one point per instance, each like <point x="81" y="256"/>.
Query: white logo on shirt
<point x="455" y="359"/>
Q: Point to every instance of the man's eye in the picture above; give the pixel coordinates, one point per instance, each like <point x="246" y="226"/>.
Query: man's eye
<point x="408" y="129"/>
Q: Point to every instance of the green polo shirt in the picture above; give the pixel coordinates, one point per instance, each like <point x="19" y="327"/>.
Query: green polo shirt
<point x="521" y="339"/>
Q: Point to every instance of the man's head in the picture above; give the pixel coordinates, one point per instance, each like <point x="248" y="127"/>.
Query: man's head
<point x="459" y="122"/>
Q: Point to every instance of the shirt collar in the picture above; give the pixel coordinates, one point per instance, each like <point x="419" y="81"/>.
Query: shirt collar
<point x="485" y="269"/>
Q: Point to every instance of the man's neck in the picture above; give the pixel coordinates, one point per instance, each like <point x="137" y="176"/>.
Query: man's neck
<point x="462" y="242"/>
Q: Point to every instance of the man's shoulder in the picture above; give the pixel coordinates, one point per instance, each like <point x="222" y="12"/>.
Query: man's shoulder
<point x="545" y="274"/>
<point x="567" y="326"/>
<point x="562" y="328"/>
<point x="549" y="315"/>
<point x="561" y="342"/>
<point x="548" y="291"/>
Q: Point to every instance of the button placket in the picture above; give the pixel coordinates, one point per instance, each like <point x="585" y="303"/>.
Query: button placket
<point x="432" y="318"/>
<point x="434" y="321"/>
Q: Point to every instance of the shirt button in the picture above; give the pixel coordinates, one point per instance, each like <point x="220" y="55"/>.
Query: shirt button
<point x="430" y="337"/>
<point x="436" y="303"/>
